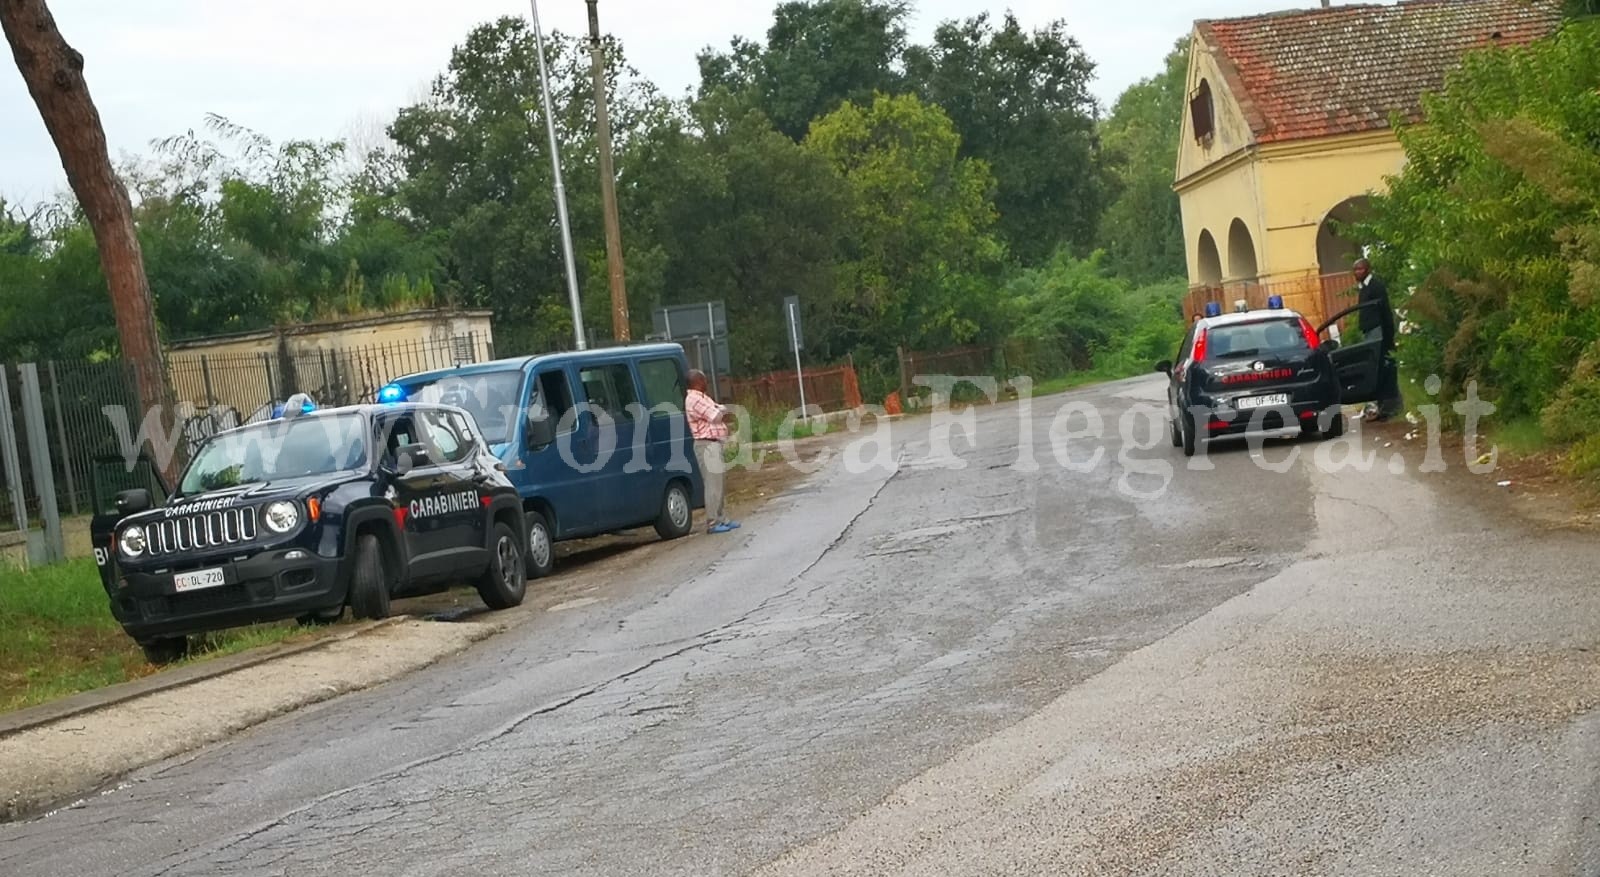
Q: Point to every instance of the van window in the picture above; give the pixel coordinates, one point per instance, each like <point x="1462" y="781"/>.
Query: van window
<point x="610" y="388"/>
<point x="490" y="397"/>
<point x="555" y="394"/>
<point x="663" y="383"/>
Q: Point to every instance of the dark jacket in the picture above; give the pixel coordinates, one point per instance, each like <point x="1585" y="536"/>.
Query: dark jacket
<point x="1381" y="315"/>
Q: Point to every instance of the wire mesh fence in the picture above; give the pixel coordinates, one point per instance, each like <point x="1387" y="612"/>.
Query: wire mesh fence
<point x="93" y="412"/>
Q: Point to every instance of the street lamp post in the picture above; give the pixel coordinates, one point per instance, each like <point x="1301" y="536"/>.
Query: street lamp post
<point x="560" y="188"/>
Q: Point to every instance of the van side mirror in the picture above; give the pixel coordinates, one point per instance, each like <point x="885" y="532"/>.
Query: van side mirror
<point x="132" y="502"/>
<point x="1164" y="366"/>
<point x="541" y="431"/>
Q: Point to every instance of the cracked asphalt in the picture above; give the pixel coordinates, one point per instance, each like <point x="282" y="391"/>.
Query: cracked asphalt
<point x="1035" y="667"/>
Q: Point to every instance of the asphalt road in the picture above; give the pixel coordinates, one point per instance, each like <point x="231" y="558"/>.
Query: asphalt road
<point x="954" y="662"/>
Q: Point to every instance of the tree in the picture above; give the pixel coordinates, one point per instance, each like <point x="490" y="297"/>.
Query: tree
<point x="472" y="177"/>
<point x="817" y="56"/>
<point x="1142" y="229"/>
<point x="738" y="212"/>
<point x="1020" y="101"/>
<point x="1493" y="223"/>
<point x="53" y="71"/>
<point x="921" y="256"/>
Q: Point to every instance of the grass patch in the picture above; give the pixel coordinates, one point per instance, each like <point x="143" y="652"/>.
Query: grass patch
<point x="769" y="426"/>
<point x="57" y="636"/>
<point x="1520" y="438"/>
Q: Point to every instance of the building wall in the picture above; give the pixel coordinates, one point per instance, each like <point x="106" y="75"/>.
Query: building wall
<point x="1282" y="193"/>
<point x="336" y="362"/>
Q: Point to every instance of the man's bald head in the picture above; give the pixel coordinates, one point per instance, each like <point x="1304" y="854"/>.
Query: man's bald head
<point x="697" y="380"/>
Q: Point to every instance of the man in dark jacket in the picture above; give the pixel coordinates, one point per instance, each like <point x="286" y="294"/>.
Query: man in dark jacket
<point x="1378" y="313"/>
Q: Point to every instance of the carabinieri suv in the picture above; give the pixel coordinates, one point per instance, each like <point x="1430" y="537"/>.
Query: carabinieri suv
<point x="305" y="514"/>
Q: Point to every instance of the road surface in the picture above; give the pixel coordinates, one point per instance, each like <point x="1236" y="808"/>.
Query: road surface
<point x="1030" y="664"/>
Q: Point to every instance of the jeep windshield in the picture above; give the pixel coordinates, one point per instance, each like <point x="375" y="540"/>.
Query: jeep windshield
<point x="492" y="398"/>
<point x="277" y="450"/>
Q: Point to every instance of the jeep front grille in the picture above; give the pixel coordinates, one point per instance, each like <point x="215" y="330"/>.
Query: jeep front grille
<point x="203" y="531"/>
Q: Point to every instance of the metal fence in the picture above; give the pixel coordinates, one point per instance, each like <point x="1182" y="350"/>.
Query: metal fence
<point x="92" y="410"/>
<point x="833" y="388"/>
<point x="1316" y="296"/>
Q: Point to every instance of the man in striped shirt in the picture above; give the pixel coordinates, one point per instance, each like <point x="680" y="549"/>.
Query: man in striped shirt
<point x="708" y="424"/>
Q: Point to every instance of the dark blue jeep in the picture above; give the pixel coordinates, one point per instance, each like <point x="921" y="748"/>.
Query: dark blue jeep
<point x="304" y="514"/>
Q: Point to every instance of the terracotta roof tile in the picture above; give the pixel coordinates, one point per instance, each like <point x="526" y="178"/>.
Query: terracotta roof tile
<point x="1319" y="72"/>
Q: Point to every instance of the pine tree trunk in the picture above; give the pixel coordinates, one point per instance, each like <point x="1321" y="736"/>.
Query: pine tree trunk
<point x="53" y="72"/>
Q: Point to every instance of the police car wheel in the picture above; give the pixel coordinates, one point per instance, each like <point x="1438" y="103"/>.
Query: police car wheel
<point x="677" y="513"/>
<point x="503" y="584"/>
<point x="1177" y="433"/>
<point x="540" y="556"/>
<point x="1189" y="437"/>
<point x="165" y="650"/>
<point x="369" y="587"/>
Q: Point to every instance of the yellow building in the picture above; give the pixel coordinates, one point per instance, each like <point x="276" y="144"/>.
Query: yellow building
<point x="1288" y="134"/>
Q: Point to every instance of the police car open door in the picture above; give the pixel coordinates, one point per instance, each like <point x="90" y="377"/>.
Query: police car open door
<point x="1359" y="366"/>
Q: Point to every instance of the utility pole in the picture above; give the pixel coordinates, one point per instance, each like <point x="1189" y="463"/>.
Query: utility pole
<point x="576" y="300"/>
<point x="608" y="182"/>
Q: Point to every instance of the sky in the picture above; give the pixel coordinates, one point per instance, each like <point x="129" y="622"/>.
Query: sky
<point x="325" y="69"/>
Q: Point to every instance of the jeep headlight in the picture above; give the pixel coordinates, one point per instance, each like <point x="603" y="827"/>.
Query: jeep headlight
<point x="132" y="542"/>
<point x="281" y="517"/>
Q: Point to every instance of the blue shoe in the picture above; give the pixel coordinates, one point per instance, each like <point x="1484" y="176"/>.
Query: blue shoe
<point x="732" y="525"/>
<point x="720" y="528"/>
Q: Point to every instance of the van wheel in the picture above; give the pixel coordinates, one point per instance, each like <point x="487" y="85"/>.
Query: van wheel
<point x="504" y="583"/>
<point x="677" y="514"/>
<point x="369" y="586"/>
<point x="165" y="650"/>
<point x="539" y="554"/>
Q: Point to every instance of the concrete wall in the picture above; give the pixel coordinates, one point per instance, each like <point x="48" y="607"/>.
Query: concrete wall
<point x="333" y="361"/>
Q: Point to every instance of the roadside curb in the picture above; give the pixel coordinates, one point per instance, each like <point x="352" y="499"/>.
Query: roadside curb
<point x="101" y="698"/>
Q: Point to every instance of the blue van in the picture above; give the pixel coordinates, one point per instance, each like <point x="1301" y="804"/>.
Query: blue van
<point x="595" y="441"/>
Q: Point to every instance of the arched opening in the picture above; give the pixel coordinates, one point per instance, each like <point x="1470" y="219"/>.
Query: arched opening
<point x="1210" y="261"/>
<point x="1336" y="248"/>
<point x="1241" y="254"/>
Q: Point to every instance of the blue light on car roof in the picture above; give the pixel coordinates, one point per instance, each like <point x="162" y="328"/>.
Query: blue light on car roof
<point x="1275" y="302"/>
<point x="1213" y="309"/>
<point x="392" y="393"/>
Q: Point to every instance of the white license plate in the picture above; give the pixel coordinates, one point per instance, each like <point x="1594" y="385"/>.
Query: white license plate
<point x="198" y="580"/>
<point x="1254" y="402"/>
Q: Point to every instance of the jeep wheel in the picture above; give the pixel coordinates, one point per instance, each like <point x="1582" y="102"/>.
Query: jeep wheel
<point x="369" y="586"/>
<point x="677" y="514"/>
<point x="539" y="554"/>
<point x="504" y="583"/>
<point x="165" y="650"/>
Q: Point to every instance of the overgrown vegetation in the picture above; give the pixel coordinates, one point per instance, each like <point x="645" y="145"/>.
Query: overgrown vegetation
<point x="1495" y="226"/>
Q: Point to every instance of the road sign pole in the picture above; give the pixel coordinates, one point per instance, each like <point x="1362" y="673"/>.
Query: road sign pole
<point x="794" y="341"/>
